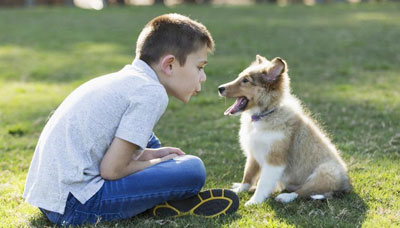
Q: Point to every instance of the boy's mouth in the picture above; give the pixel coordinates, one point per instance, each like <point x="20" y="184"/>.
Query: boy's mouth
<point x="239" y="105"/>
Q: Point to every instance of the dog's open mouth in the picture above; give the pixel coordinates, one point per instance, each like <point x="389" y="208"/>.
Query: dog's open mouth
<point x="239" y="105"/>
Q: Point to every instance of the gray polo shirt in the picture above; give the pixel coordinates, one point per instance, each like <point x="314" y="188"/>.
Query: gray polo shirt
<point x="126" y="104"/>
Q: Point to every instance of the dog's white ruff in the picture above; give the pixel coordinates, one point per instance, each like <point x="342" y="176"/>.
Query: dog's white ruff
<point x="286" y="197"/>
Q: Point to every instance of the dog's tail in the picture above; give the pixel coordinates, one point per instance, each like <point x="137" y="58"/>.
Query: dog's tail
<point x="328" y="195"/>
<point x="323" y="196"/>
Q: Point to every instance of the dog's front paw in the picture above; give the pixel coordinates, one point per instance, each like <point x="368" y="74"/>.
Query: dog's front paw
<point x="238" y="187"/>
<point x="253" y="200"/>
<point x="286" y="197"/>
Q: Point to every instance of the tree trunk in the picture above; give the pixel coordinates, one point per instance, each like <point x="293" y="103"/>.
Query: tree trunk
<point x="189" y="1"/>
<point x="30" y="2"/>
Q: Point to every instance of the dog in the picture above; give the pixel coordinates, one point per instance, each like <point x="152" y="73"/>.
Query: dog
<point x="284" y="146"/>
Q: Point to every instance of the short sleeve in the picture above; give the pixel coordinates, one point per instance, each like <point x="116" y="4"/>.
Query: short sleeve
<point x="144" y="110"/>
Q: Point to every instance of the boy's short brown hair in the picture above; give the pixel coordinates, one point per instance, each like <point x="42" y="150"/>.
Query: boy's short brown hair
<point x="172" y="34"/>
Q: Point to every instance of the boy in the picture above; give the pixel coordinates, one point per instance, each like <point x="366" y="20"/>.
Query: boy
<point x="97" y="158"/>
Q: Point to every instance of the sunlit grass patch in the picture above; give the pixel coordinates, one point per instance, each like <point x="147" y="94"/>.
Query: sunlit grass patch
<point x="343" y="63"/>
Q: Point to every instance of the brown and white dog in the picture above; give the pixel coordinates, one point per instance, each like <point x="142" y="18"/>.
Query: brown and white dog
<point x="283" y="144"/>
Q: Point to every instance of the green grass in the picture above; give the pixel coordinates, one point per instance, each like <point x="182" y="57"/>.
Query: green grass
<point x="344" y="65"/>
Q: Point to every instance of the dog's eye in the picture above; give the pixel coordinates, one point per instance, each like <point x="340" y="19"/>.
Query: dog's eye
<point x="245" y="80"/>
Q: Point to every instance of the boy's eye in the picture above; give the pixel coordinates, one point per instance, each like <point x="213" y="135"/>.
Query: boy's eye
<point x="245" y="80"/>
<point x="200" y="68"/>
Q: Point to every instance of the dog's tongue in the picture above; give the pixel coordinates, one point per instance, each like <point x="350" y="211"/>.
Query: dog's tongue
<point x="235" y="107"/>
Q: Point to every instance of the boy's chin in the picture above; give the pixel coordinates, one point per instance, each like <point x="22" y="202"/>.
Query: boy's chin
<point x="184" y="99"/>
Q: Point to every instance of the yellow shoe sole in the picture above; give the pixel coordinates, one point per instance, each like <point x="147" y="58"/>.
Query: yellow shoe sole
<point x="209" y="203"/>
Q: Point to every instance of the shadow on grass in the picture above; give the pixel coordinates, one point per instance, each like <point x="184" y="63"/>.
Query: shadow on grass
<point x="145" y="220"/>
<point x="348" y="210"/>
<point x="40" y="220"/>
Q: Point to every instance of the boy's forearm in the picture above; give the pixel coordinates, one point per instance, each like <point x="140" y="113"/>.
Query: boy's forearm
<point x="132" y="167"/>
<point x="136" y="166"/>
<point x="124" y="170"/>
<point x="119" y="161"/>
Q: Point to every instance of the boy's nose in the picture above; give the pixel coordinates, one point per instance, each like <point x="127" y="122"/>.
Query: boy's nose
<point x="203" y="78"/>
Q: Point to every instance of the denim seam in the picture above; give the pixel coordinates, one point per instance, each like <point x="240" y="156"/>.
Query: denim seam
<point x="118" y="214"/>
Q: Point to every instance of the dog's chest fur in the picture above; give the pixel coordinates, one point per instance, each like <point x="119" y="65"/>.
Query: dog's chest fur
<point x="256" y="138"/>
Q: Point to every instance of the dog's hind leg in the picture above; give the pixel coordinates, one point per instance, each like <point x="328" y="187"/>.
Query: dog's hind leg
<point x="326" y="179"/>
<point x="321" y="184"/>
<point x="251" y="173"/>
<point x="315" y="187"/>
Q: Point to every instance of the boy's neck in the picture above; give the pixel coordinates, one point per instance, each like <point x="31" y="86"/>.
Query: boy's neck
<point x="162" y="77"/>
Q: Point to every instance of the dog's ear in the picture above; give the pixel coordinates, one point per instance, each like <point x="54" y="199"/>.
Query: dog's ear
<point x="277" y="68"/>
<point x="260" y="59"/>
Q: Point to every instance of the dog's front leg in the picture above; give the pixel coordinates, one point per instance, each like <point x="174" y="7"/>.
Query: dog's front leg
<point x="250" y="174"/>
<point x="269" y="177"/>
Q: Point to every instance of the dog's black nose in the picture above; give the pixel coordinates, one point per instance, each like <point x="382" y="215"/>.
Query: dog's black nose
<point x="221" y="89"/>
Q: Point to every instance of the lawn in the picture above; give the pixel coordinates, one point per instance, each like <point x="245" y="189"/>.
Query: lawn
<point x="344" y="63"/>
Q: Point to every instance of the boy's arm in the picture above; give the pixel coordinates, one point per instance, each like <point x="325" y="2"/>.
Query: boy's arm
<point x="117" y="161"/>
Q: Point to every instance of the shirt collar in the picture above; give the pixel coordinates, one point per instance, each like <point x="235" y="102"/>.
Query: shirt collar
<point x="142" y="66"/>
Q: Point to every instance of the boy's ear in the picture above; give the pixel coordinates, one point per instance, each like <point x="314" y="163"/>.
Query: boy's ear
<point x="166" y="64"/>
<point x="277" y="68"/>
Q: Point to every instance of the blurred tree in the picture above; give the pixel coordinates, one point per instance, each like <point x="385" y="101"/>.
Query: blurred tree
<point x="159" y="2"/>
<point x="119" y="2"/>
<point x="197" y="1"/>
<point x="266" y="1"/>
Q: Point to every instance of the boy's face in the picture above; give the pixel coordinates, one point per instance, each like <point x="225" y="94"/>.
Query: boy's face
<point x="188" y="78"/>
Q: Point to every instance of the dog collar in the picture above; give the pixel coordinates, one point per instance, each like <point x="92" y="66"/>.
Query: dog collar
<point x="257" y="117"/>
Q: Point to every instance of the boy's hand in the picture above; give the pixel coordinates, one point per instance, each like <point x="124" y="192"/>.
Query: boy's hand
<point x="164" y="153"/>
<point x="118" y="160"/>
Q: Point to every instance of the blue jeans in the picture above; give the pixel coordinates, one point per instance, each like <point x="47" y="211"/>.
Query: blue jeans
<point x="178" y="178"/>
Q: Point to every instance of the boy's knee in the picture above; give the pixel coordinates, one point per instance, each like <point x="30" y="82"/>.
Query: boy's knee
<point x="194" y="170"/>
<point x="199" y="170"/>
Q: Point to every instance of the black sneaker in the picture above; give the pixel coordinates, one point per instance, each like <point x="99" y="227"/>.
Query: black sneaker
<point x="209" y="203"/>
